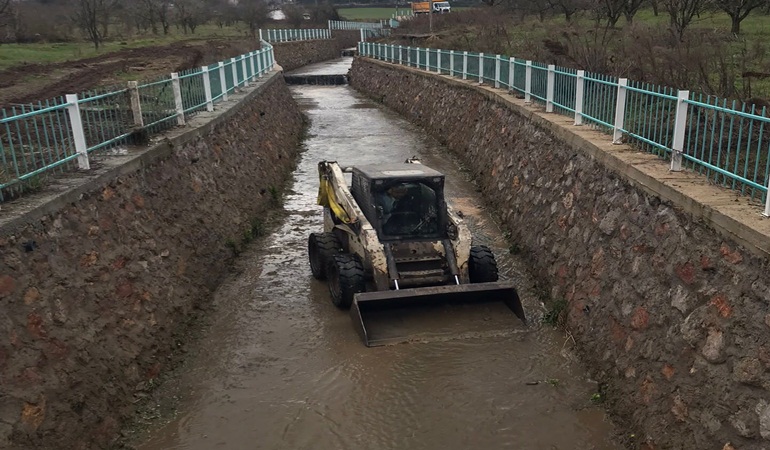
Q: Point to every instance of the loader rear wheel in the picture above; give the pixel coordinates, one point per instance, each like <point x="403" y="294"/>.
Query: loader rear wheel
<point x="320" y="248"/>
<point x="482" y="267"/>
<point x="346" y="277"/>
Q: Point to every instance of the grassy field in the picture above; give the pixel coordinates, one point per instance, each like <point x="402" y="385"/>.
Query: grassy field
<point x="16" y="54"/>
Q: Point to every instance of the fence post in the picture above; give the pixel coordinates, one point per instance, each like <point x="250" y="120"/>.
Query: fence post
<point x="409" y="56"/>
<point x="465" y="65"/>
<point x="528" y="83"/>
<point x="417" y="53"/>
<point x="363" y="36"/>
<point x="620" y="111"/>
<point x="438" y="61"/>
<point x="579" y="92"/>
<point x="223" y="80"/>
<point x="252" y="57"/>
<point x="136" y="105"/>
<point x="427" y="59"/>
<point x="451" y="63"/>
<point x="401" y="54"/>
<point x="481" y="68"/>
<point x="511" y="68"/>
<point x="235" y="73"/>
<point x="260" y="35"/>
<point x="767" y="201"/>
<point x="550" y="88"/>
<point x="78" y="135"/>
<point x="497" y="71"/>
<point x="177" y="98"/>
<point x="207" y="88"/>
<point x="680" y="126"/>
<point x="245" y="71"/>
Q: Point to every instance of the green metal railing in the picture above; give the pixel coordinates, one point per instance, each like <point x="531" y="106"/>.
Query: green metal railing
<point x="727" y="142"/>
<point x="59" y="134"/>
<point x="301" y="34"/>
<point x="351" y="25"/>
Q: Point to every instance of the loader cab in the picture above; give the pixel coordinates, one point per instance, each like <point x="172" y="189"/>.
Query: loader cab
<point x="402" y="201"/>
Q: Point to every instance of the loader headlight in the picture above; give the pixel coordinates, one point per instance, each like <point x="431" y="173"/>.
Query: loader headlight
<point x="451" y="231"/>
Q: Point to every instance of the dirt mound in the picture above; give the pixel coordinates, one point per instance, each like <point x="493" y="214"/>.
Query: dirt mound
<point x="31" y="83"/>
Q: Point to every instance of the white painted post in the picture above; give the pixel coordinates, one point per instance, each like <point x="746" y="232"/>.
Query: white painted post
<point x="497" y="71"/>
<point x="234" y="66"/>
<point x="511" y="68"/>
<point x="550" y="88"/>
<point x="620" y="111"/>
<point x="465" y="65"/>
<point x="222" y="80"/>
<point x="252" y="56"/>
<point x="427" y="59"/>
<point x="245" y="71"/>
<point x="330" y="25"/>
<point x="78" y="135"/>
<point x="528" y="83"/>
<point x="680" y="126"/>
<point x="260" y="35"/>
<point x="767" y="201"/>
<point x="363" y="36"/>
<point x="409" y="56"/>
<point x="481" y="68"/>
<point x="401" y="54"/>
<point x="136" y="105"/>
<point x="452" y="63"/>
<point x="207" y="88"/>
<point x="438" y="61"/>
<point x="417" y="52"/>
<point x="579" y="88"/>
<point x="177" y="98"/>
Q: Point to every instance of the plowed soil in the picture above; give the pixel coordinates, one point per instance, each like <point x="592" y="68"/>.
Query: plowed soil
<point x="31" y="83"/>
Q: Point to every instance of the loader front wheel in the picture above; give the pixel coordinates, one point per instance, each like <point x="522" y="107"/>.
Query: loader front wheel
<point x="482" y="267"/>
<point x="321" y="247"/>
<point x="346" y="277"/>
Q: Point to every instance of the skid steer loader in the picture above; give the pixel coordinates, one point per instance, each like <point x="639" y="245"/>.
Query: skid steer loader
<point x="394" y="231"/>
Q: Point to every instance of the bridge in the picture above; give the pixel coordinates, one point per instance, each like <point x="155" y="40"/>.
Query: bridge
<point x="170" y="245"/>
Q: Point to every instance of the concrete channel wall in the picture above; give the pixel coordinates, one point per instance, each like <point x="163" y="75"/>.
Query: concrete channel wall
<point x="291" y="55"/>
<point x="666" y="296"/>
<point x="100" y="274"/>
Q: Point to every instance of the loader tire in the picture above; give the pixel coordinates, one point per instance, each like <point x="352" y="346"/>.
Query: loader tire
<point x="482" y="267"/>
<point x="346" y="277"/>
<point x="321" y="247"/>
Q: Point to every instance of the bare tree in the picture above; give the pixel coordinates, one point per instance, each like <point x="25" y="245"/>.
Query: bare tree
<point x="190" y="14"/>
<point x="682" y="13"/>
<point x="254" y="13"/>
<point x="630" y="9"/>
<point x="738" y="10"/>
<point x="610" y="10"/>
<point x="92" y="17"/>
<point x="568" y="7"/>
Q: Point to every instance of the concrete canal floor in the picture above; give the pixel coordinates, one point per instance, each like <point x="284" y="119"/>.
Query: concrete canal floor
<point x="279" y="367"/>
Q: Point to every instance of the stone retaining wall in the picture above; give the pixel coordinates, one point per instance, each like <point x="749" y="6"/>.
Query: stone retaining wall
<point x="96" y="283"/>
<point x="669" y="311"/>
<point x="291" y="55"/>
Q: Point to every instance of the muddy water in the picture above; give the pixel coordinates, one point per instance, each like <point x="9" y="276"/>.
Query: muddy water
<point x="282" y="368"/>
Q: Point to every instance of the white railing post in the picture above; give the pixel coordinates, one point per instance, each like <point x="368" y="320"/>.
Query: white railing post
<point x="528" y="83"/>
<point x="481" y="68"/>
<point x="465" y="65"/>
<point x="417" y="53"/>
<point x="260" y="64"/>
<point x="207" y="88"/>
<point x="245" y="71"/>
<point x="223" y="80"/>
<point x="260" y="35"/>
<point x="620" y="111"/>
<point x="497" y="71"/>
<point x="580" y="83"/>
<point x="136" y="105"/>
<point x="401" y="54"/>
<point x="680" y="126"/>
<point x="177" y="98"/>
<point x="78" y="135"/>
<point x="234" y="66"/>
<point x="550" y="88"/>
<point x="252" y="57"/>
<point x="438" y="61"/>
<point x="427" y="59"/>
<point x="409" y="56"/>
<point x="363" y="36"/>
<point x="767" y="201"/>
<point x="451" y="63"/>
<point x="511" y="68"/>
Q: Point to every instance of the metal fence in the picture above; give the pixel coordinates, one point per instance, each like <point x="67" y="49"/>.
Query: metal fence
<point x="301" y="34"/>
<point x="60" y="134"/>
<point x="717" y="138"/>
<point x="349" y="25"/>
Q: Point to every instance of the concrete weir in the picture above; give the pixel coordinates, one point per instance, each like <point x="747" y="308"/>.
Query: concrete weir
<point x="332" y="72"/>
<point x="663" y="277"/>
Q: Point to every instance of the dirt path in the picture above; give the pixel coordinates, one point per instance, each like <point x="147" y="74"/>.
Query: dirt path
<point x="281" y="368"/>
<point x="31" y="83"/>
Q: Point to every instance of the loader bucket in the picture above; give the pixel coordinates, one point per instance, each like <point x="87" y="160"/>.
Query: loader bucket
<point x="387" y="317"/>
